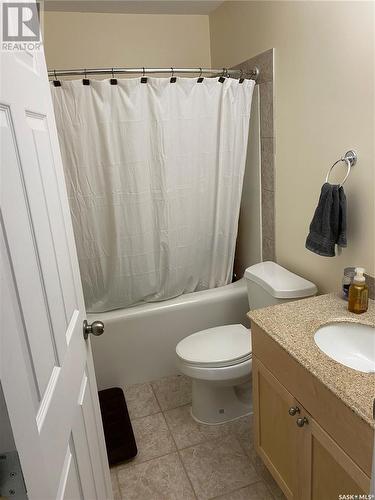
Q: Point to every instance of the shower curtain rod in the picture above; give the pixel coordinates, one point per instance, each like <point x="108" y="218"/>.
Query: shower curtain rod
<point x="253" y="74"/>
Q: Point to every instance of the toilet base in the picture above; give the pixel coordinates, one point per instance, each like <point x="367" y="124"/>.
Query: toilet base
<point x="215" y="404"/>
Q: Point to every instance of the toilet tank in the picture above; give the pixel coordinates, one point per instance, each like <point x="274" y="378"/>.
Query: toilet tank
<point x="269" y="284"/>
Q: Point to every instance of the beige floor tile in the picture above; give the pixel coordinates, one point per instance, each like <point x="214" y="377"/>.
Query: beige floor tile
<point x="243" y="428"/>
<point x="152" y="437"/>
<point x="218" y="467"/>
<point x="257" y="491"/>
<point x="172" y="392"/>
<point x="141" y="400"/>
<point x="115" y="485"/>
<point x="187" y="432"/>
<point x="159" y="479"/>
<point x="266" y="476"/>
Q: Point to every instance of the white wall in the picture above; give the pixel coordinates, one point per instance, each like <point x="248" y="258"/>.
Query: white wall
<point x="324" y="105"/>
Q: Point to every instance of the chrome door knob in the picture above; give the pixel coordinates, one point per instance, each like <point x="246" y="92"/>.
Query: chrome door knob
<point x="301" y="421"/>
<point x="293" y="410"/>
<point x="96" y="328"/>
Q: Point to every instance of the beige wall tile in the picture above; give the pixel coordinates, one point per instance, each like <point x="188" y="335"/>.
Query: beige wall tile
<point x="267" y="159"/>
<point x="268" y="249"/>
<point x="264" y="62"/>
<point x="246" y="239"/>
<point x="268" y="214"/>
<point x="266" y="109"/>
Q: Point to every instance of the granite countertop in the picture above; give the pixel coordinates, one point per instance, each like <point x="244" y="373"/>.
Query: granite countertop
<point x="293" y="325"/>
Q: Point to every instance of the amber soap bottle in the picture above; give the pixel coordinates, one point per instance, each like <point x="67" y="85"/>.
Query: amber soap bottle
<point x="358" y="293"/>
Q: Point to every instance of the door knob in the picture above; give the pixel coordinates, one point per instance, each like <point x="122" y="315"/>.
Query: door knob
<point x="96" y="328"/>
<point x="293" y="410"/>
<point x="301" y="421"/>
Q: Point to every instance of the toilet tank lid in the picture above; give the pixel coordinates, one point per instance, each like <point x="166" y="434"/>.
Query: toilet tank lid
<point x="279" y="282"/>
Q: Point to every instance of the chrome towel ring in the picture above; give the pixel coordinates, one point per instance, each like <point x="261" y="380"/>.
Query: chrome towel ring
<point x="350" y="159"/>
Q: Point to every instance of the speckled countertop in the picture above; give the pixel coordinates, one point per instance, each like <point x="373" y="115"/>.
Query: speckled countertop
<point x="293" y="325"/>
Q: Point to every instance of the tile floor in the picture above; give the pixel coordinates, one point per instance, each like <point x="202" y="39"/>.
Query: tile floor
<point x="179" y="459"/>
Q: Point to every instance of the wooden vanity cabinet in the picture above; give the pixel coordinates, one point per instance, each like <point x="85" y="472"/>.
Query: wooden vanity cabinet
<point x="328" y="470"/>
<point x="276" y="439"/>
<point x="304" y="459"/>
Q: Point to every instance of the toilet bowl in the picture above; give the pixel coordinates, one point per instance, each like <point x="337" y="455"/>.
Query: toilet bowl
<point x="218" y="360"/>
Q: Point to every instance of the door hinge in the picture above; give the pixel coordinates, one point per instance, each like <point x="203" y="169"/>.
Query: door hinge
<point x="12" y="484"/>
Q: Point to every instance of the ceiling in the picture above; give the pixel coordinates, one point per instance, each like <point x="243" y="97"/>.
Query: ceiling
<point x="135" y="6"/>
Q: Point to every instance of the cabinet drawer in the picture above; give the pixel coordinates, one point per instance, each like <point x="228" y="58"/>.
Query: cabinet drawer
<point x="346" y="428"/>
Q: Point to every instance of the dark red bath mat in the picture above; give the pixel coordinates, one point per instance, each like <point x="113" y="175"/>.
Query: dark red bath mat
<point x="118" y="431"/>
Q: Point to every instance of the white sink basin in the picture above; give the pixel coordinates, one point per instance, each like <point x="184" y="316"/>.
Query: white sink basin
<point x="351" y="344"/>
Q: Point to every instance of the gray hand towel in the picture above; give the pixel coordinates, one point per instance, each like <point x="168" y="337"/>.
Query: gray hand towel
<point x="328" y="226"/>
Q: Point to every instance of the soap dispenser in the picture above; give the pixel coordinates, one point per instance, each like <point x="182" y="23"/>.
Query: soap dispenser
<point x="358" y="293"/>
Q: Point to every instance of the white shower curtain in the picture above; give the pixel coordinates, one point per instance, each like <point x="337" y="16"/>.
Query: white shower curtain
<point x="154" y="175"/>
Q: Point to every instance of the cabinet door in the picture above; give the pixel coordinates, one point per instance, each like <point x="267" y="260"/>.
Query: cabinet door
<point x="328" y="470"/>
<point x="277" y="440"/>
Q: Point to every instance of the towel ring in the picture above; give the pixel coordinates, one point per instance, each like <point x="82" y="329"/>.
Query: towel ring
<point x="350" y="159"/>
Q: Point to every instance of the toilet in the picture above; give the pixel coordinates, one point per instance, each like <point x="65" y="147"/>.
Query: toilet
<point x="218" y="360"/>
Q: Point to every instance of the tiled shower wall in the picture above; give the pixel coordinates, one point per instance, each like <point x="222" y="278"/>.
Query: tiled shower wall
<point x="264" y="62"/>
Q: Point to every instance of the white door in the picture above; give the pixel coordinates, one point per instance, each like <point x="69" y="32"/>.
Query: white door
<point x="46" y="366"/>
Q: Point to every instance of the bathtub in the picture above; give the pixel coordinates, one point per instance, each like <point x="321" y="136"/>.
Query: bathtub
<point x="139" y="343"/>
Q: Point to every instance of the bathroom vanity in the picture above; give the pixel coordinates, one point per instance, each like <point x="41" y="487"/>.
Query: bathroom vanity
<point x="313" y="417"/>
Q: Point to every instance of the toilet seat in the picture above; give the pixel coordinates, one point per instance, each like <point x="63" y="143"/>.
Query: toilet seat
<point x="218" y="347"/>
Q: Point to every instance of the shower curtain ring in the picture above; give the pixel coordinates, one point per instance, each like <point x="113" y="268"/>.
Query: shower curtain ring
<point x="113" y="80"/>
<point x="241" y="79"/>
<point x="143" y="79"/>
<point x="173" y="78"/>
<point x="200" y="78"/>
<point x="222" y="77"/>
<point x="56" y="82"/>
<point x="85" y="80"/>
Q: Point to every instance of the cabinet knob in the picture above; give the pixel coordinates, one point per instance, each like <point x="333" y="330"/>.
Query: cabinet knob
<point x="301" y="421"/>
<point x="293" y="410"/>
